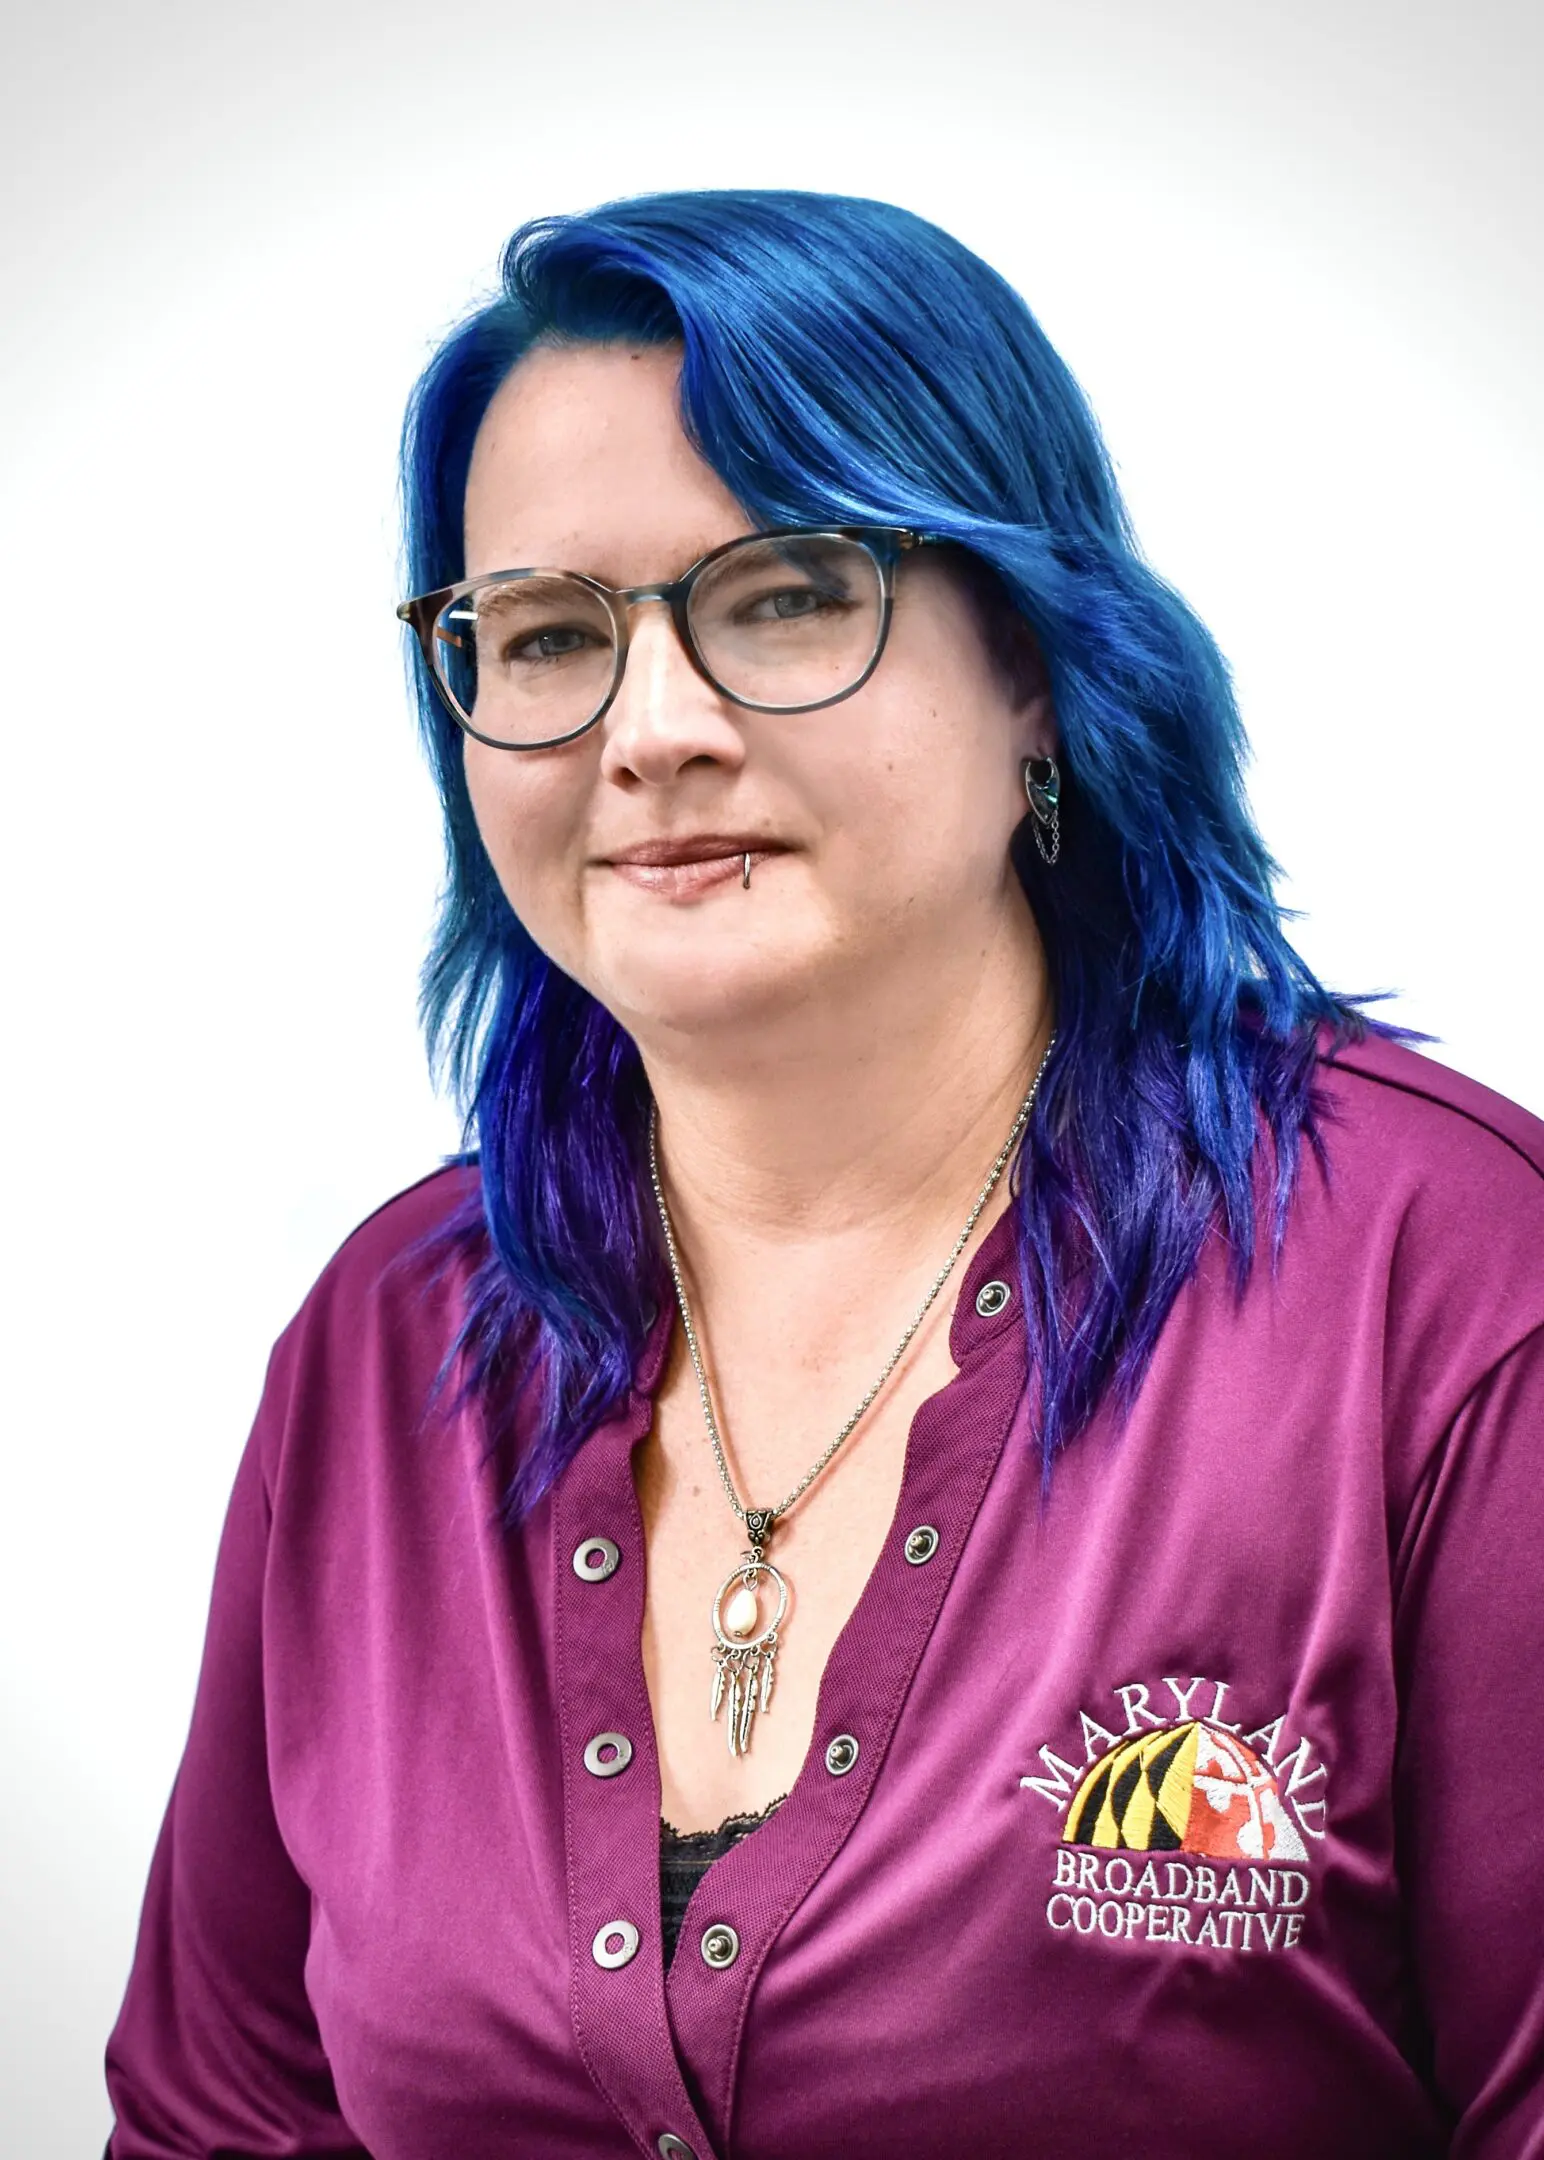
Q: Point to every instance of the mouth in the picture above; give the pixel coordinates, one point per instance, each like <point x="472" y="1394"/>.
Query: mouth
<point x="681" y="869"/>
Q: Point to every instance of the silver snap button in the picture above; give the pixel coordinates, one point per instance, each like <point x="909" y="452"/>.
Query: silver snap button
<point x="841" y="1754"/>
<point x="615" y="1944"/>
<point x="607" y="1754"/>
<point x="595" y="1558"/>
<point x="991" y="1298"/>
<point x="922" y="1544"/>
<point x="670" y="2147"/>
<point x="720" y="1946"/>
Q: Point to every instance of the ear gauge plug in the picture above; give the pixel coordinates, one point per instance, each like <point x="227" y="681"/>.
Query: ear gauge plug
<point x="1042" y="785"/>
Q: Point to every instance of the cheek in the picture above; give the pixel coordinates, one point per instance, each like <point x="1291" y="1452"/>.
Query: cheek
<point x="529" y="815"/>
<point x="937" y="781"/>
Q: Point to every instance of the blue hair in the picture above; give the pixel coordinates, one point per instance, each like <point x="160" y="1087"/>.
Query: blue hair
<point x="846" y="361"/>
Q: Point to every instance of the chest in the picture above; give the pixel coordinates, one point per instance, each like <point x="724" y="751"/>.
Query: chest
<point x="825" y="1550"/>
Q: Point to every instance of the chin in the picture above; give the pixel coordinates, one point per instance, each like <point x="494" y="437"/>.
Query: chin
<point x="701" y="994"/>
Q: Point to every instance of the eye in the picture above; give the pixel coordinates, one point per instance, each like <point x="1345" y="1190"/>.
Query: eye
<point x="546" y="644"/>
<point x="805" y="600"/>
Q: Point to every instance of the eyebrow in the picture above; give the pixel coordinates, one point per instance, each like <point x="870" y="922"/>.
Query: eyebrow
<point x="688" y="557"/>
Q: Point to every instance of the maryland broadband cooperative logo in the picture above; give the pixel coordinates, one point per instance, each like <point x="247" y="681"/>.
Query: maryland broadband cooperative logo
<point x="1221" y="1818"/>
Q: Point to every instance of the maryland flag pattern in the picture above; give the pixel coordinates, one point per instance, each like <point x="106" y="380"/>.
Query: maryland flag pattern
<point x="1184" y="1788"/>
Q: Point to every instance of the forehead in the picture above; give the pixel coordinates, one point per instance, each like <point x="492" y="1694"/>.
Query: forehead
<point x="581" y="462"/>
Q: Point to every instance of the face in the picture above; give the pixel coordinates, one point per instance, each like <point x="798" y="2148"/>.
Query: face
<point x="878" y="827"/>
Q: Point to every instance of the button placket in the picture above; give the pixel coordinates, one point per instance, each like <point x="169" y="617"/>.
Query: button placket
<point x="611" y="1827"/>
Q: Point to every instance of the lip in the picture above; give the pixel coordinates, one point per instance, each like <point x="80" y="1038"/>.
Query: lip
<point x="695" y="848"/>
<point x="686" y="868"/>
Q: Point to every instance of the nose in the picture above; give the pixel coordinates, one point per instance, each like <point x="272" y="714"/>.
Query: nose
<point x="665" y="716"/>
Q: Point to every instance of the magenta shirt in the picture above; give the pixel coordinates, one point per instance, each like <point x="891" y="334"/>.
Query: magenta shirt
<point x="1202" y="1813"/>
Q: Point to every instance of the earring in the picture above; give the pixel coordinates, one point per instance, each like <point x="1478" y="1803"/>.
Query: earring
<point x="1044" y="792"/>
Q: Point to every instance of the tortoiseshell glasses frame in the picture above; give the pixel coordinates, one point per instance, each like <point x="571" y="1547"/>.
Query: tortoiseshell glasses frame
<point x="425" y="613"/>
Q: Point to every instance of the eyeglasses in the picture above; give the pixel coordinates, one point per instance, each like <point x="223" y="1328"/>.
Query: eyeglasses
<point x="783" y="620"/>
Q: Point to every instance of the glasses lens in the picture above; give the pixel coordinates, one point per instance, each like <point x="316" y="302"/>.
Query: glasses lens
<point x="789" y="622"/>
<point x="528" y="659"/>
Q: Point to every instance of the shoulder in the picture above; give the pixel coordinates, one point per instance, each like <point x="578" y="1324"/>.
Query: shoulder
<point x="1425" y="1215"/>
<point x="1416" y="1117"/>
<point x="361" y="1448"/>
<point x="392" y="1234"/>
<point x="396" y="1248"/>
<point x="393" y="1289"/>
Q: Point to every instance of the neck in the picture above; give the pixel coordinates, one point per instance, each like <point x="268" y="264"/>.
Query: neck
<point x="867" y="1119"/>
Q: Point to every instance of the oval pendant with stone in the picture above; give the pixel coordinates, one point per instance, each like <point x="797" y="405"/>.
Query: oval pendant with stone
<point x="738" y="1619"/>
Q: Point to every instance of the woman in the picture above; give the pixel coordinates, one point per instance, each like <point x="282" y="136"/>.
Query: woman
<point x="958" y="1384"/>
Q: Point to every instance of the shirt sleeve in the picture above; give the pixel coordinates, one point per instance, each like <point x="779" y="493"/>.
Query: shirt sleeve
<point x="1470" y="1775"/>
<point x="216" y="2050"/>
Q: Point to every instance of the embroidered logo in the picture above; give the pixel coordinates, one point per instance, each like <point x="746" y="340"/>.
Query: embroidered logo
<point x="1240" y="1808"/>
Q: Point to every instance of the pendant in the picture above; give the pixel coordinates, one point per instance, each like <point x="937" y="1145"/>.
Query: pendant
<point x="745" y="1653"/>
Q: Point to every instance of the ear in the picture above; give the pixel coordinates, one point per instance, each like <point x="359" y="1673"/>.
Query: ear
<point x="1038" y="734"/>
<point x="1015" y="651"/>
<point x="1029" y="689"/>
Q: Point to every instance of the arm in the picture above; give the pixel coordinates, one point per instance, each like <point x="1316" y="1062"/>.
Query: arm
<point x="1470" y="1775"/>
<point x="215" y="2050"/>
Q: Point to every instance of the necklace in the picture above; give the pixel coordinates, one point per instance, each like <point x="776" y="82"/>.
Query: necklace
<point x="745" y="1641"/>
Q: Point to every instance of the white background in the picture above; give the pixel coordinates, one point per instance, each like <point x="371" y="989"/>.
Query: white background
<point x="1292" y="254"/>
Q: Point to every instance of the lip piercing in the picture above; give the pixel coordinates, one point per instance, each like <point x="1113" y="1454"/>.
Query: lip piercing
<point x="745" y="874"/>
